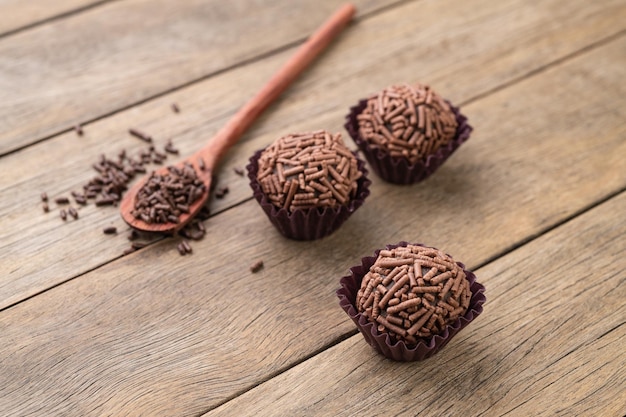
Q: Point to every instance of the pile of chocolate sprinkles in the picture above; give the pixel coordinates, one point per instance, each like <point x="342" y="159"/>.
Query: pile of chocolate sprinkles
<point x="413" y="292"/>
<point x="407" y="121"/>
<point x="108" y="186"/>
<point x="112" y="180"/>
<point x="163" y="198"/>
<point x="307" y="170"/>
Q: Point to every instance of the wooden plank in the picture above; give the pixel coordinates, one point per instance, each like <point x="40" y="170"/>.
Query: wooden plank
<point x="550" y="342"/>
<point x="157" y="333"/>
<point x="33" y="243"/>
<point x="16" y="14"/>
<point x="121" y="53"/>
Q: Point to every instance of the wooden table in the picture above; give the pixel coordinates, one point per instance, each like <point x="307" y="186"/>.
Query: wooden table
<point x="534" y="203"/>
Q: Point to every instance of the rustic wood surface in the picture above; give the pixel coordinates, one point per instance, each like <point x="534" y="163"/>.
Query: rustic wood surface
<point x="19" y="14"/>
<point x="535" y="202"/>
<point x="319" y="99"/>
<point x="101" y="61"/>
<point x="549" y="342"/>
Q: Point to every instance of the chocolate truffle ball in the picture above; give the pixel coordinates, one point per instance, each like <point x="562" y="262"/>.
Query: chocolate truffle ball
<point x="413" y="292"/>
<point x="409" y="122"/>
<point x="306" y="170"/>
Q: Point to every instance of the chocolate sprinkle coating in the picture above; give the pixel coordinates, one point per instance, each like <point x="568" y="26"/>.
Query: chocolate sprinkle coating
<point x="307" y="224"/>
<point x="413" y="292"/>
<point x="306" y="170"/>
<point x="409" y="122"/>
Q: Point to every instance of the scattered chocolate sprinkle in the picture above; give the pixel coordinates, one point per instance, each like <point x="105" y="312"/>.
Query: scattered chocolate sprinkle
<point x="45" y="207"/>
<point x="407" y="307"/>
<point x="256" y="267"/>
<point x="221" y="192"/>
<point x="175" y="108"/>
<point x="194" y="230"/>
<point x="169" y="148"/>
<point x="110" y="230"/>
<point x="62" y="200"/>
<point x="186" y="246"/>
<point x="106" y="201"/>
<point x="138" y="245"/>
<point x="181" y="249"/>
<point x="238" y="171"/>
<point x="72" y="211"/>
<point x="78" y="129"/>
<point x="407" y="121"/>
<point x="63" y="214"/>
<point x="44" y="197"/>
<point x="139" y="134"/>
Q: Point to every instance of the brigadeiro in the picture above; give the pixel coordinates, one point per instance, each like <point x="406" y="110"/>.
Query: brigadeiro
<point x="406" y="131"/>
<point x="409" y="300"/>
<point x="308" y="184"/>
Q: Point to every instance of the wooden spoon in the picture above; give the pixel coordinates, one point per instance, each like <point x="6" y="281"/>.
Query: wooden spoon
<point x="213" y="151"/>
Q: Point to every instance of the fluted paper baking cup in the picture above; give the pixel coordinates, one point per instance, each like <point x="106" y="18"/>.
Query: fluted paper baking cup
<point x="400" y="170"/>
<point x="311" y="223"/>
<point x="380" y="341"/>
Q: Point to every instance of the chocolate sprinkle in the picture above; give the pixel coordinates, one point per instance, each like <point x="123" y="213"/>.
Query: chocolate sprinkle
<point x="221" y="192"/>
<point x="72" y="211"/>
<point x="256" y="267"/>
<point x="62" y="200"/>
<point x="140" y="135"/>
<point x="110" y="230"/>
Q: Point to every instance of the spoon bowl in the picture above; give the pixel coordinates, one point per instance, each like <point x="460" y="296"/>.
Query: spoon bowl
<point x="127" y="205"/>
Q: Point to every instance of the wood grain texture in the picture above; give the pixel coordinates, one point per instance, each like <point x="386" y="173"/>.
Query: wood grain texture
<point x="94" y="63"/>
<point x="157" y="333"/>
<point x="550" y="342"/>
<point x="16" y="14"/>
<point x="34" y="242"/>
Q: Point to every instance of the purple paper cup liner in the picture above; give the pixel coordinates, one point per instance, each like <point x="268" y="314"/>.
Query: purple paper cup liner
<point x="312" y="223"/>
<point x="400" y="170"/>
<point x="381" y="342"/>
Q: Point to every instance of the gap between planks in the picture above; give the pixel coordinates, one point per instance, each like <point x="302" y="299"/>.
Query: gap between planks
<point x="565" y="58"/>
<point x="53" y="18"/>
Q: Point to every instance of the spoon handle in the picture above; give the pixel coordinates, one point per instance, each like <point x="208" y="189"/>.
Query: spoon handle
<point x="307" y="52"/>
